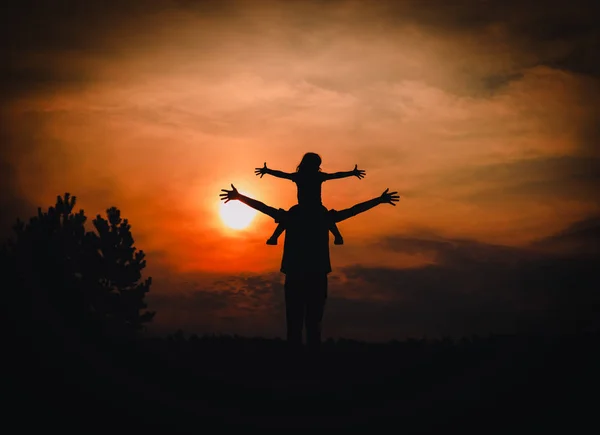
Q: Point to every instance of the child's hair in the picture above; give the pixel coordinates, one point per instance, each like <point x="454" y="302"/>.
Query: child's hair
<point x="311" y="162"/>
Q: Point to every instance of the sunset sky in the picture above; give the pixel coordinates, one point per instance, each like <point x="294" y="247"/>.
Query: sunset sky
<point x="484" y="116"/>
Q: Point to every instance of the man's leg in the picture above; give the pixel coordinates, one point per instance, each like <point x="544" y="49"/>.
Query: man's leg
<point x="294" y="311"/>
<point x="317" y="295"/>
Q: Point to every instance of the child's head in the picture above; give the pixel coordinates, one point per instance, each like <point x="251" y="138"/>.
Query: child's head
<point x="311" y="162"/>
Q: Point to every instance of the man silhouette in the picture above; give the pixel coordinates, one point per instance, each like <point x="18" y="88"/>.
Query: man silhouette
<point x="306" y="261"/>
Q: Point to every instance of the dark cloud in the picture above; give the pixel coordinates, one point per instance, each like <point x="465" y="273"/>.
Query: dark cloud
<point x="565" y="177"/>
<point x="564" y="168"/>
<point x="45" y="26"/>
<point x="12" y="205"/>
<point x="585" y="230"/>
<point x="558" y="34"/>
<point x="249" y="305"/>
<point x="18" y="79"/>
<point x="472" y="288"/>
<point x="582" y="58"/>
<point x="589" y="134"/>
<point x="455" y="252"/>
<point x="555" y="34"/>
<point x="475" y="287"/>
<point x="494" y="82"/>
<point x="42" y="41"/>
<point x="582" y="237"/>
<point x="65" y="25"/>
<point x="25" y="141"/>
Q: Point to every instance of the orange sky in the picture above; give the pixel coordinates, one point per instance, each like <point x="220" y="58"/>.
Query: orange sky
<point x="483" y="131"/>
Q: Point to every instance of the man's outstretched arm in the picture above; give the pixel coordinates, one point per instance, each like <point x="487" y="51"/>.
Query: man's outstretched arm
<point x="385" y="198"/>
<point x="257" y="205"/>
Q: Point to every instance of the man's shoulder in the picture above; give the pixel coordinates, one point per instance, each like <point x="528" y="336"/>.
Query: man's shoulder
<point x="332" y="214"/>
<point x="281" y="215"/>
<point x="295" y="212"/>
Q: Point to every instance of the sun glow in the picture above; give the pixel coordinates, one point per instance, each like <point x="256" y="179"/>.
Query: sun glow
<point x="236" y="215"/>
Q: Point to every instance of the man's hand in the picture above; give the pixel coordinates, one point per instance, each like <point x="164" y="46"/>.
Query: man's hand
<point x="261" y="171"/>
<point x="359" y="173"/>
<point x="385" y="198"/>
<point x="229" y="194"/>
<point x="389" y="197"/>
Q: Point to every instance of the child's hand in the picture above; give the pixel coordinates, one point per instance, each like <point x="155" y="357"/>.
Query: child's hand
<point x="359" y="173"/>
<point x="261" y="171"/>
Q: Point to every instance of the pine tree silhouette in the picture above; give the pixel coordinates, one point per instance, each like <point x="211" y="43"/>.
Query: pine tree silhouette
<point x="120" y="267"/>
<point x="65" y="277"/>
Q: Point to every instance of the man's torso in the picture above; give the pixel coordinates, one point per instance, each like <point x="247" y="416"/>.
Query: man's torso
<point x="306" y="246"/>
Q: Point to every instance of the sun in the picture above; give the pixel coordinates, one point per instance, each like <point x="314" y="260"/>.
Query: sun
<point x="236" y="215"/>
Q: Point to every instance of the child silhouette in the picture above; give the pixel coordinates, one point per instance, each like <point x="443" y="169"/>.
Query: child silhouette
<point x="309" y="178"/>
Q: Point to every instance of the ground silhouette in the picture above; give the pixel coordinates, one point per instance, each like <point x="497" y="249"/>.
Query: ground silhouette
<point x="490" y="384"/>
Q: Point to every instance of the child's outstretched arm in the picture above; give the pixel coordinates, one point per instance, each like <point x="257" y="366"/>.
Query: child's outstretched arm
<point x="279" y="174"/>
<point x="359" y="173"/>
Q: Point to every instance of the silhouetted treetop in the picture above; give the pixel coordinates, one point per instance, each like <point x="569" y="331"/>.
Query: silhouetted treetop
<point x="71" y="276"/>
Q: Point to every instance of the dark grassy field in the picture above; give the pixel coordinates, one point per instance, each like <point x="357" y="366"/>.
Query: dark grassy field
<point x="482" y="385"/>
